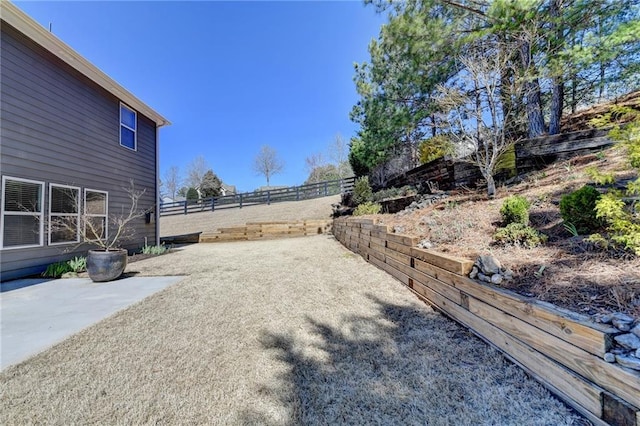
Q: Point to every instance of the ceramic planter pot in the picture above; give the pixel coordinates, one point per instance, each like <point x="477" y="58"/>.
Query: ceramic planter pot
<point x="106" y="265"/>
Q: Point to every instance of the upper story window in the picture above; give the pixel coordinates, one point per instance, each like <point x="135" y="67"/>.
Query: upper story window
<point x="128" y="127"/>
<point x="22" y="213"/>
<point x="64" y="214"/>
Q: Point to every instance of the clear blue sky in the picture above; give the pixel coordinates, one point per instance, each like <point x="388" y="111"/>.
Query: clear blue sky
<point x="230" y="76"/>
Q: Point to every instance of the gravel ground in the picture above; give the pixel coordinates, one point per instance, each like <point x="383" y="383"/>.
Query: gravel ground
<point x="282" y="332"/>
<point x="317" y="208"/>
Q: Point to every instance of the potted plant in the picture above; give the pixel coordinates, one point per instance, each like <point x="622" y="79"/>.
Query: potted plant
<point x="108" y="259"/>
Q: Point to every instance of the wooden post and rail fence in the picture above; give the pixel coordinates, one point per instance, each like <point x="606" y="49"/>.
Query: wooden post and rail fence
<point x="293" y="193"/>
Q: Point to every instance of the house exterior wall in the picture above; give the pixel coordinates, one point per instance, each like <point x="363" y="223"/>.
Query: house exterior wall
<point x="57" y="126"/>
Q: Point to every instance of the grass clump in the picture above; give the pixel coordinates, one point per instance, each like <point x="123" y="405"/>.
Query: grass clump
<point x="58" y="269"/>
<point x="578" y="209"/>
<point x="155" y="250"/>
<point x="515" y="209"/>
<point x="518" y="234"/>
<point x="367" y="208"/>
<point x="362" y="192"/>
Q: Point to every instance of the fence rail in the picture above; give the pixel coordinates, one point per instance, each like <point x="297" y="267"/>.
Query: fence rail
<point x="293" y="193"/>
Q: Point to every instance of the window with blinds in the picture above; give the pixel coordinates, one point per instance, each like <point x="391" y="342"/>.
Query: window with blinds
<point x="64" y="214"/>
<point x="22" y="213"/>
<point x="96" y="211"/>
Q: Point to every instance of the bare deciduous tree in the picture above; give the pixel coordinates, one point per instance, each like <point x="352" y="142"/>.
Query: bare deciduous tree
<point x="477" y="110"/>
<point x="196" y="171"/>
<point x="171" y="181"/>
<point x="339" y="156"/>
<point x="267" y="163"/>
<point x="94" y="229"/>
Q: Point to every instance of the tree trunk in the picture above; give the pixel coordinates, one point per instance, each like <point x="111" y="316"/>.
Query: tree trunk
<point x="491" y="185"/>
<point x="557" y="82"/>
<point x="557" y="105"/>
<point x="533" y="99"/>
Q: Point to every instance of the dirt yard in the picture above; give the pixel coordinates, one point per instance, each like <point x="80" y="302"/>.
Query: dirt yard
<point x="317" y="208"/>
<point x="284" y="332"/>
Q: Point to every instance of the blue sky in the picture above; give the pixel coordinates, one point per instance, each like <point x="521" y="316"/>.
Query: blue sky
<point x="230" y="76"/>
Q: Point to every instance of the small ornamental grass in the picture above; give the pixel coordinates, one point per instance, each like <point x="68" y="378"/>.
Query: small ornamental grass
<point x="518" y="234"/>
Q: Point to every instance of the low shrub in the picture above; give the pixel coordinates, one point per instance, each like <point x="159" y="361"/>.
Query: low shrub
<point x="622" y="223"/>
<point x="519" y="235"/>
<point x="515" y="209"/>
<point x="57" y="269"/>
<point x="367" y="208"/>
<point x="155" y="250"/>
<point x="598" y="177"/>
<point x="78" y="264"/>
<point x="578" y="209"/>
<point x="362" y="192"/>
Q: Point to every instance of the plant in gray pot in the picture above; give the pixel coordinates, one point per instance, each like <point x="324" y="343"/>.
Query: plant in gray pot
<point x="108" y="260"/>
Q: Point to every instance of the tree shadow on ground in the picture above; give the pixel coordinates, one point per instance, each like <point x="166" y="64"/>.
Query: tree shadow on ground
<point x="404" y="364"/>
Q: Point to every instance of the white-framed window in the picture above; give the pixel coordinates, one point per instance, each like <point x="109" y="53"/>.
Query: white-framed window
<point x="64" y="214"/>
<point x="96" y="210"/>
<point x="21" y="217"/>
<point x="128" y="127"/>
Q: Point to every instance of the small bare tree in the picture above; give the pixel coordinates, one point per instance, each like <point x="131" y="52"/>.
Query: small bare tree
<point x="93" y="229"/>
<point x="196" y="171"/>
<point x="477" y="110"/>
<point x="172" y="181"/>
<point x="267" y="163"/>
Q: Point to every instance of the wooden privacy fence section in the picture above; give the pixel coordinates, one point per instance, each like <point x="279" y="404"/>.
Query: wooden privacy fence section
<point x="293" y="193"/>
<point x="561" y="349"/>
<point x="530" y="154"/>
<point x="269" y="230"/>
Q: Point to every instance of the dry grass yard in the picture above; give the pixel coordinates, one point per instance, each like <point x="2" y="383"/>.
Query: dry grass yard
<point x="283" y="332"/>
<point x="317" y="208"/>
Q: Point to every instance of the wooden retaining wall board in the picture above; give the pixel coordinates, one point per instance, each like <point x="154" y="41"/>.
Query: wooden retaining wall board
<point x="561" y="349"/>
<point x="269" y="230"/>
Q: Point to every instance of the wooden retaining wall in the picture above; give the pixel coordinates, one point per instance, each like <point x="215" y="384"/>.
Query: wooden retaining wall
<point x="269" y="230"/>
<point x="531" y="154"/>
<point x="561" y="349"/>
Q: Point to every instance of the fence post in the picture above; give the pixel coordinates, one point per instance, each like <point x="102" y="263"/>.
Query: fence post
<point x="213" y="204"/>
<point x="268" y="197"/>
<point x="240" y="200"/>
<point x="185" y="206"/>
<point x="297" y="193"/>
<point x="325" y="189"/>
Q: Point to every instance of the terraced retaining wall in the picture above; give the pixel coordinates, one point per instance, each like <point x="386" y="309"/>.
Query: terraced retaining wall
<point x="561" y="349"/>
<point x="268" y="230"/>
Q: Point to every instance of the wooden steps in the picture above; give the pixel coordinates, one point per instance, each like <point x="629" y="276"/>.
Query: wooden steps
<point x="268" y="230"/>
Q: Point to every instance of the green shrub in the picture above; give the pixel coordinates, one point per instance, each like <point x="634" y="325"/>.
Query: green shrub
<point x="362" y="192"/>
<point x="598" y="177"/>
<point x="622" y="220"/>
<point x="192" y="195"/>
<point x="155" y="250"/>
<point x="56" y="270"/>
<point x="520" y="235"/>
<point x="78" y="264"/>
<point x="435" y="147"/>
<point x="367" y="208"/>
<point x="578" y="209"/>
<point x="515" y="209"/>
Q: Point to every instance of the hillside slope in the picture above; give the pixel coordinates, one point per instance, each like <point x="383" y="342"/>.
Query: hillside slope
<point x="317" y="208"/>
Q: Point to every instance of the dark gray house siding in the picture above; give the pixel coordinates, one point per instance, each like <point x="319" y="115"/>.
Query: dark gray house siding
<point x="59" y="127"/>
